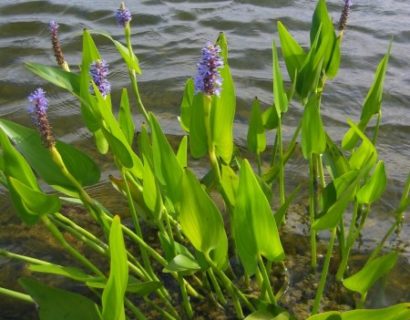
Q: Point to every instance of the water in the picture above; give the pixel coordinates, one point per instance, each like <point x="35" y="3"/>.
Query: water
<point x="167" y="37"/>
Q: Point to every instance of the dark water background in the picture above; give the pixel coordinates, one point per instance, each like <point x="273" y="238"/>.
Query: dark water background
<point x="167" y="37"/>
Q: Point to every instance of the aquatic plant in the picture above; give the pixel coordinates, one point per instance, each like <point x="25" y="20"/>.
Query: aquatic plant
<point x="99" y="73"/>
<point x="208" y="80"/>
<point x="210" y="252"/>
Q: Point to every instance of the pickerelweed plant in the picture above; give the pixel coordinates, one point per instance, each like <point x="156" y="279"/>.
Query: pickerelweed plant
<point x="196" y="245"/>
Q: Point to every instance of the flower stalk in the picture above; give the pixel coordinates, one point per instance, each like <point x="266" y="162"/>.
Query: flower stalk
<point x="55" y="41"/>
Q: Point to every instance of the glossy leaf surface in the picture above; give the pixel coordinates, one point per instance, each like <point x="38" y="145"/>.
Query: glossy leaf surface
<point x="56" y="303"/>
<point x="363" y="280"/>
<point x="223" y="108"/>
<point x="201" y="220"/>
<point x="256" y="137"/>
<point x="125" y="117"/>
<point x="374" y="187"/>
<point x="396" y="312"/>
<point x="114" y="291"/>
<point x="313" y="132"/>
<point x="253" y="224"/>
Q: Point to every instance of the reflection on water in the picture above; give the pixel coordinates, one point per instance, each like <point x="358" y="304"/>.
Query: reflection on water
<point x="167" y="37"/>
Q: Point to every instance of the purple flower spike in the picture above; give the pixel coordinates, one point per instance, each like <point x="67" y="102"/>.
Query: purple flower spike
<point x="208" y="79"/>
<point x="123" y="15"/>
<point x="345" y="15"/>
<point x="38" y="109"/>
<point x="99" y="72"/>
<point x="58" y="53"/>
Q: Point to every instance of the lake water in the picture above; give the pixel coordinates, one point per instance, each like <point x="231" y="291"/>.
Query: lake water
<point x="168" y="36"/>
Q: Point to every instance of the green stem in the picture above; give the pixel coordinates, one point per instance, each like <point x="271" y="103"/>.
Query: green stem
<point x="165" y="315"/>
<point x="17" y="295"/>
<point x="140" y="105"/>
<point x="325" y="270"/>
<point x="286" y="284"/>
<point x="312" y="213"/>
<point x="379" y="247"/>
<point x="97" y="245"/>
<point x="135" y="220"/>
<point x="376" y="129"/>
<point x="274" y="150"/>
<point x="282" y="191"/>
<point x="266" y="281"/>
<point x="74" y="252"/>
<point x="185" y="299"/>
<point x="259" y="163"/>
<point x="133" y="75"/>
<point x="216" y="286"/>
<point x="88" y="202"/>
<point x="135" y="310"/>
<point x="232" y="289"/>
<point x="154" y="254"/>
<point x="274" y="171"/>
<point x="362" y="301"/>
<point x="20" y="257"/>
<point x="163" y="293"/>
<point x="320" y="171"/>
<point x="354" y="233"/>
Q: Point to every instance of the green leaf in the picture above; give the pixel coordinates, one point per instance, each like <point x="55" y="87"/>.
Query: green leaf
<point x="292" y="52"/>
<point x="181" y="263"/>
<point x="261" y="315"/>
<point x="201" y="220"/>
<point x="55" y="75"/>
<point x="396" y="312"/>
<point x="151" y="192"/>
<point x="223" y="109"/>
<point x="365" y="154"/>
<point x="125" y="117"/>
<point x="345" y="187"/>
<point x="254" y="228"/>
<point x="198" y="138"/>
<point x="60" y="304"/>
<point x="134" y="286"/>
<point x="308" y="77"/>
<point x="142" y="289"/>
<point x="229" y="182"/>
<point x="374" y="187"/>
<point x="186" y="104"/>
<point x="328" y="45"/>
<point x="270" y="118"/>
<point x="182" y="153"/>
<point x="281" y="213"/>
<point x="256" y="133"/>
<point x="279" y="93"/>
<point x="334" y="63"/>
<point x="37" y="202"/>
<point x="173" y="248"/>
<point x="69" y="272"/>
<point x="114" y="291"/>
<point x="374" y="269"/>
<point x="313" y="132"/>
<point x="372" y="103"/>
<point x="166" y="166"/>
<point x="119" y="150"/>
<point x="28" y="142"/>
<point x="129" y="57"/>
<point x="334" y="159"/>
<point x="14" y="163"/>
<point x="89" y="103"/>
<point x="144" y="144"/>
